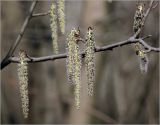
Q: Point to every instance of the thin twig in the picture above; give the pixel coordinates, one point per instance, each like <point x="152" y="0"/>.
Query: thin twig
<point x="145" y="37"/>
<point x="40" y="14"/>
<point x="6" y="61"/>
<point x="155" y="5"/>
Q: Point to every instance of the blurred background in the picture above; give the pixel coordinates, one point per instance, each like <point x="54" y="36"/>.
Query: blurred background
<point x="121" y="94"/>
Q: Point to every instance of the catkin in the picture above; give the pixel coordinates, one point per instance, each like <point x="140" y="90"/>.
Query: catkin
<point x="53" y="25"/>
<point x="73" y="62"/>
<point x="142" y="57"/>
<point x="138" y="18"/>
<point x="71" y="42"/>
<point x="61" y="15"/>
<point x="90" y="60"/>
<point x="137" y="25"/>
<point x="23" y="83"/>
<point x="77" y="75"/>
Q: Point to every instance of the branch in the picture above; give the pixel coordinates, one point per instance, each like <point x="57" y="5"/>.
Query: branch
<point x="8" y="59"/>
<point x="41" y="14"/>
<point x="5" y="61"/>
<point x="131" y="40"/>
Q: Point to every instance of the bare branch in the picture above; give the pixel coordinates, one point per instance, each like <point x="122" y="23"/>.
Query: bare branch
<point x="40" y="14"/>
<point x="131" y="40"/>
<point x="148" y="47"/>
<point x="146" y="37"/>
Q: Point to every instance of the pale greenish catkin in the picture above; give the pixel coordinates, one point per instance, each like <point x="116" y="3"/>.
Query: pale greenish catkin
<point x="73" y="63"/>
<point x="71" y="41"/>
<point x="53" y="25"/>
<point x="23" y="83"/>
<point x="142" y="57"/>
<point x="90" y="60"/>
<point x="137" y="25"/>
<point x="61" y="15"/>
<point x="77" y="75"/>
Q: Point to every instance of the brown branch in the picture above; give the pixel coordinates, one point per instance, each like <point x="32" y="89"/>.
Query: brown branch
<point x="6" y="61"/>
<point x="131" y="40"/>
<point x="41" y="14"/>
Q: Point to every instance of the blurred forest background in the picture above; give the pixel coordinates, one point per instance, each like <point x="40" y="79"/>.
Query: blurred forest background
<point x="121" y="94"/>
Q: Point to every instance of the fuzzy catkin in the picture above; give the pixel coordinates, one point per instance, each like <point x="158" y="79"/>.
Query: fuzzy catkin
<point x="137" y="25"/>
<point x="73" y="62"/>
<point x="138" y="18"/>
<point x="77" y="75"/>
<point x="61" y="15"/>
<point x="142" y="57"/>
<point x="53" y="25"/>
<point x="23" y="83"/>
<point x="90" y="60"/>
<point x="71" y="41"/>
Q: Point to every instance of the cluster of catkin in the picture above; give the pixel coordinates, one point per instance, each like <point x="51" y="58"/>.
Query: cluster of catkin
<point x="74" y="58"/>
<point x="73" y="62"/>
<point x="57" y="14"/>
<point x="23" y="83"/>
<point x="137" y="25"/>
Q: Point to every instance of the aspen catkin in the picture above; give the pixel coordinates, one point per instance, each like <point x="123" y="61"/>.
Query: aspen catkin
<point x="71" y="43"/>
<point x="53" y="25"/>
<point x="90" y="60"/>
<point x="74" y="64"/>
<point x="61" y="15"/>
<point x="137" y="25"/>
<point x="23" y="83"/>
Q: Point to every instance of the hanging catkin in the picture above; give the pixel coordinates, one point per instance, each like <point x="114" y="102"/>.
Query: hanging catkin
<point x="53" y="25"/>
<point x="90" y="60"/>
<point x="61" y="15"/>
<point x="73" y="64"/>
<point x="23" y="83"/>
<point x="138" y="24"/>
